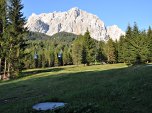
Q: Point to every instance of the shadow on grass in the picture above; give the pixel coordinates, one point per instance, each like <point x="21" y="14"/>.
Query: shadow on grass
<point x="38" y="71"/>
<point x="113" y="86"/>
<point x="65" y="76"/>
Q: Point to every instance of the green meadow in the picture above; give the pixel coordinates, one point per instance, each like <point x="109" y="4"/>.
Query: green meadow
<point x="110" y="88"/>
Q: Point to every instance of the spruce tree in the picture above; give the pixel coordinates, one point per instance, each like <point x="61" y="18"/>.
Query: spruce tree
<point x="65" y="56"/>
<point x="4" y="37"/>
<point x="111" y="51"/>
<point x="89" y="47"/>
<point x="129" y="53"/>
<point x="121" y="50"/>
<point x="134" y="47"/>
<point x="100" y="52"/>
<point x="84" y="53"/>
<point x="56" y="60"/>
<point x="1" y="34"/>
<point x="149" y="44"/>
<point x="17" y="36"/>
<point x="143" y="47"/>
<point x="134" y="44"/>
<point x="77" y="50"/>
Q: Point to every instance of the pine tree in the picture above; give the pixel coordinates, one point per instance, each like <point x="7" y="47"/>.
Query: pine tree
<point x="121" y="50"/>
<point x="89" y="48"/>
<point x="1" y="34"/>
<point x="84" y="53"/>
<point x="4" y="45"/>
<point x="17" y="37"/>
<point x="100" y="52"/>
<point x="134" y="47"/>
<point x="129" y="53"/>
<point x="77" y="50"/>
<point x="149" y="44"/>
<point x="143" y="48"/>
<point x="137" y="45"/>
<point x="111" y="51"/>
<point x="66" y="56"/>
<point x="56" y="60"/>
<point x="52" y="56"/>
<point x="116" y="44"/>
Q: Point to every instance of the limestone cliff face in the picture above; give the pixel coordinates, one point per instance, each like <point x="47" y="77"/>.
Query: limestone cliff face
<point x="74" y="21"/>
<point x="114" y="32"/>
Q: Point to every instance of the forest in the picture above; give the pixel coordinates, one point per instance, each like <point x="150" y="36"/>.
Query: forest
<point x="21" y="49"/>
<point x="133" y="48"/>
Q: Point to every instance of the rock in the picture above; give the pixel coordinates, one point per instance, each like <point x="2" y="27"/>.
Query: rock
<point x="74" y="21"/>
<point x="114" y="32"/>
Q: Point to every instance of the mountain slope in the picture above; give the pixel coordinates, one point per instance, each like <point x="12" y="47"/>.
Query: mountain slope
<point x="62" y="36"/>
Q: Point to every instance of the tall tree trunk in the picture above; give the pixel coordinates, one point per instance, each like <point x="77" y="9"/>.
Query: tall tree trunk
<point x="8" y="70"/>
<point x="9" y="62"/>
<point x="0" y="68"/>
<point x="0" y="65"/>
<point x="5" y="66"/>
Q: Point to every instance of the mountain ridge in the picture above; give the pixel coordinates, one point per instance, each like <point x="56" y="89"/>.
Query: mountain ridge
<point x="74" y="21"/>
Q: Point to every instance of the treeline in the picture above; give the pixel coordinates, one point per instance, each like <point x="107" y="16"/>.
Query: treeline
<point x="63" y="49"/>
<point x="56" y="50"/>
<point x="133" y="48"/>
<point x="43" y="50"/>
<point x="136" y="46"/>
<point x="12" y="38"/>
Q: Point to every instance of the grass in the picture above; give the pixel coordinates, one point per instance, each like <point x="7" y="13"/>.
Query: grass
<point x="114" y="88"/>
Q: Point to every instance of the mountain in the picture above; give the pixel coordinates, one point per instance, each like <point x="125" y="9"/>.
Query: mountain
<point x="114" y="32"/>
<point x="74" y="21"/>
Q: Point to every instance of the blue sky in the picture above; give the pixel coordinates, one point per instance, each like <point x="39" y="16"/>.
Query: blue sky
<point x="119" y="12"/>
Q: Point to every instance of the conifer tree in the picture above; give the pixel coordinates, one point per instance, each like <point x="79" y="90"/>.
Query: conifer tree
<point x="89" y="47"/>
<point x="100" y="51"/>
<point x="128" y="49"/>
<point x="111" y="51"/>
<point x="65" y="56"/>
<point x="121" y="51"/>
<point x="17" y="37"/>
<point x="136" y="45"/>
<point x="77" y="50"/>
<point x="4" y="36"/>
<point x="84" y="53"/>
<point x="149" y="44"/>
<point x="51" y="56"/>
<point x="56" y="60"/>
<point x="143" y="50"/>
<point x="1" y="34"/>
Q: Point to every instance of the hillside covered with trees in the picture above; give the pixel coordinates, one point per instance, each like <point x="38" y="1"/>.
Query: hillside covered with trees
<point x="134" y="48"/>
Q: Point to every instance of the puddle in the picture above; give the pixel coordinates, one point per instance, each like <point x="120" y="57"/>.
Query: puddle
<point x="48" y="106"/>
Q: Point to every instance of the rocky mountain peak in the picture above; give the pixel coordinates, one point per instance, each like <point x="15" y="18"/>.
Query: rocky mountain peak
<point x="74" y="9"/>
<point x="74" y="21"/>
<point x="114" y="32"/>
